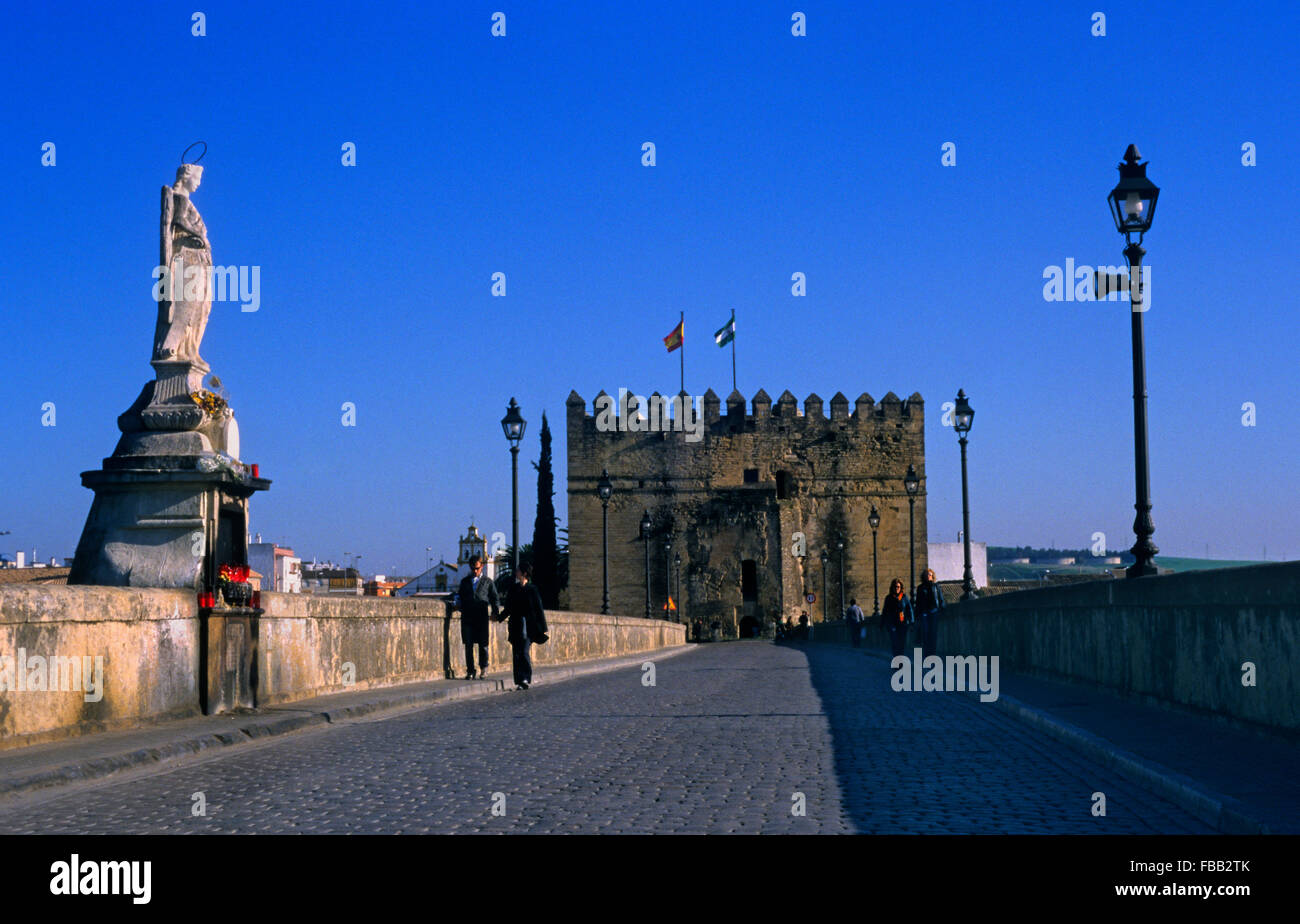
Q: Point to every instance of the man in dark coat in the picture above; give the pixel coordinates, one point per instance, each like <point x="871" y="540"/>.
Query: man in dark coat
<point x="527" y="624"/>
<point x="477" y="596"/>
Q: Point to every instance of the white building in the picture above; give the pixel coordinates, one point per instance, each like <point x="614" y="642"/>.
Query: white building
<point x="948" y="560"/>
<point x="281" y="570"/>
<point x="444" y="578"/>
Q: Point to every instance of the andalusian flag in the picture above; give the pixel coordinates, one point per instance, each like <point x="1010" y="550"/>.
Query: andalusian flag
<point x="674" y="339"/>
<point x="726" y="333"/>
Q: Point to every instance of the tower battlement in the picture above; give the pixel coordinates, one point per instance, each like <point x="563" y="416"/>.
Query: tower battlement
<point x="763" y="413"/>
<point x="749" y="494"/>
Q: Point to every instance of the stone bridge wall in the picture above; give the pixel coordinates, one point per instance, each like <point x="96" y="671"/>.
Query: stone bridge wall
<point x="1178" y="639"/>
<point x="149" y="644"/>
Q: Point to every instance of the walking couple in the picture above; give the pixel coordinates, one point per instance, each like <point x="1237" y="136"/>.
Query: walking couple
<point x="899" y="612"/>
<point x="478" y="602"/>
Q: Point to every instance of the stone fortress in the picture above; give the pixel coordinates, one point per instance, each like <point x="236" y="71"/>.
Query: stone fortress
<point x="736" y="504"/>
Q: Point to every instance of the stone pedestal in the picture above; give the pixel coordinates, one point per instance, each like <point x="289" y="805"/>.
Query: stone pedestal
<point x="170" y="406"/>
<point x="164" y="525"/>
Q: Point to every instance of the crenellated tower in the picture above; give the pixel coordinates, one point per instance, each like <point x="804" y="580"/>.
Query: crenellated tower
<point x="740" y="498"/>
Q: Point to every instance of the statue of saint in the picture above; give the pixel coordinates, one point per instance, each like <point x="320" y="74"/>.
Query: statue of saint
<point x="186" y="287"/>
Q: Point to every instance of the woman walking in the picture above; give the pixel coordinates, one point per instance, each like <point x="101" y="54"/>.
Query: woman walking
<point x="896" y="615"/>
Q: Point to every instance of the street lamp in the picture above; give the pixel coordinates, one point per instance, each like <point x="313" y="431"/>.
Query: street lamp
<point x="677" y="561"/>
<point x="912" y="484"/>
<point x="513" y="425"/>
<point x="873" y="520"/>
<point x="604" y="488"/>
<point x="428" y="557"/>
<point x="962" y="417"/>
<point x="668" y="577"/>
<point x="1133" y="205"/>
<point x="839" y="544"/>
<point x="645" y="537"/>
<point x="826" y="557"/>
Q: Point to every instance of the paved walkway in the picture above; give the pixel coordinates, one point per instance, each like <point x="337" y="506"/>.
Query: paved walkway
<point x="1258" y="773"/>
<point x="732" y="738"/>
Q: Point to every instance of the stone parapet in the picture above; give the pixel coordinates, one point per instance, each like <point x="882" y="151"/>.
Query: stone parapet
<point x="149" y="644"/>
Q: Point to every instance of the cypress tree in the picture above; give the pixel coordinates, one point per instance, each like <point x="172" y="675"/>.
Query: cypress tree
<point x="545" y="552"/>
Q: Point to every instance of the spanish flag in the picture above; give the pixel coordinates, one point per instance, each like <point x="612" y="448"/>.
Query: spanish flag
<point x="674" y="339"/>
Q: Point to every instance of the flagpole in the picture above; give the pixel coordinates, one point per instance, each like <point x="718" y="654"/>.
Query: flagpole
<point x="682" y="328"/>
<point x="733" y="349"/>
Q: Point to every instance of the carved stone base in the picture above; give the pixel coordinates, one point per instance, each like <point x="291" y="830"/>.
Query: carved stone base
<point x="170" y="406"/>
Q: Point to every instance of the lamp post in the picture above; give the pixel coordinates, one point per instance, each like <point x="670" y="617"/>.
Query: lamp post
<point x="873" y="520"/>
<point x="428" y="557"/>
<point x="839" y="544"/>
<point x="681" y="614"/>
<point x="668" y="577"/>
<point x="513" y="425"/>
<point x="1133" y="206"/>
<point x="826" y="557"/>
<point x="645" y="538"/>
<point x="604" y="488"/>
<point x="962" y="417"/>
<point x="912" y="484"/>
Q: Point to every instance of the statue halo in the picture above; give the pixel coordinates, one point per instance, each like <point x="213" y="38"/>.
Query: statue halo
<point x="192" y="147"/>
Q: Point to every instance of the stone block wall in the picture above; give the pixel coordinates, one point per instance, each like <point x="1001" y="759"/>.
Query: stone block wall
<point x="148" y="644"/>
<point x="307" y="643"/>
<point x="1178" y="639"/>
<point x="815" y="475"/>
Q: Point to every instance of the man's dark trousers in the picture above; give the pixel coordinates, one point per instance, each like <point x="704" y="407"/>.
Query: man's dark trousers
<point x="482" y="658"/>
<point x="928" y="624"/>
<point x="476" y="606"/>
<point x="523" y="662"/>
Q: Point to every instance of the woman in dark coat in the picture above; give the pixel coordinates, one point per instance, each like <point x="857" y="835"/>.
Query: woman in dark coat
<point x="896" y="616"/>
<point x="527" y="624"/>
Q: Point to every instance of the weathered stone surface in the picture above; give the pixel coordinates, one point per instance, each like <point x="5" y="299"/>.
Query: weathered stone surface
<point x="149" y="642"/>
<point x="815" y="477"/>
<point x="1179" y="639"/>
<point x="311" y="645"/>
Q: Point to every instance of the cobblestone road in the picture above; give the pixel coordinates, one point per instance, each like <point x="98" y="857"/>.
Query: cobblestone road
<point x="722" y="743"/>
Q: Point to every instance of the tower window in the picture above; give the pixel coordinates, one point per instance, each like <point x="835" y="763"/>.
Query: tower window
<point x="782" y="485"/>
<point x="748" y="580"/>
<point x="751" y="476"/>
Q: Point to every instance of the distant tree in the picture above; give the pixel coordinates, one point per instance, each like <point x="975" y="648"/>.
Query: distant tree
<point x="505" y="564"/>
<point x="562" y="560"/>
<point x="545" y="548"/>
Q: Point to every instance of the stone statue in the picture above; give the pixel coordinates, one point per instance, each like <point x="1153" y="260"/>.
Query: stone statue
<point x="186" y="287"/>
<point x="171" y="503"/>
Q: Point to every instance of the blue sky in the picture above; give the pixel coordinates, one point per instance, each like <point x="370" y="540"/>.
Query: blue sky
<point x="775" y="154"/>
